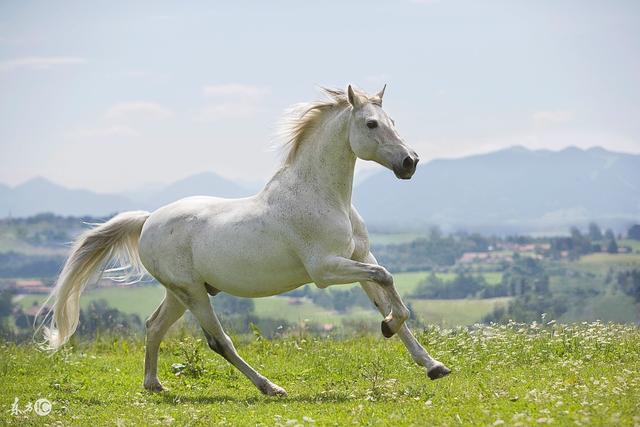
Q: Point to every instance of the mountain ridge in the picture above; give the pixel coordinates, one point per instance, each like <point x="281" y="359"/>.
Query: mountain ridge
<point x="513" y="187"/>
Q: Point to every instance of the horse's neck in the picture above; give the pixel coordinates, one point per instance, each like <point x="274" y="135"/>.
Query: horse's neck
<point x="324" y="163"/>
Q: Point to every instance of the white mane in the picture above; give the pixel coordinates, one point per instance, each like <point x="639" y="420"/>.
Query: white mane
<point x="301" y="118"/>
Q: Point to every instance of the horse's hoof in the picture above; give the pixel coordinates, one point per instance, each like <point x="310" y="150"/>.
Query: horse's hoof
<point x="386" y="329"/>
<point x="155" y="387"/>
<point x="271" y="389"/>
<point x="438" y="371"/>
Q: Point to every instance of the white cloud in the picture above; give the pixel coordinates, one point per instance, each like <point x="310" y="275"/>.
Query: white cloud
<point x="39" y="62"/>
<point x="552" y="117"/>
<point x="235" y="90"/>
<point x="138" y="110"/>
<point x="231" y="101"/>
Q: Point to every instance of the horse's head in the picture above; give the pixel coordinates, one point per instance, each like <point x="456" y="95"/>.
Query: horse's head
<point x="373" y="135"/>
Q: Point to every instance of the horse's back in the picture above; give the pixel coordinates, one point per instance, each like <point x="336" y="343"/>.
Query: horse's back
<point x="237" y="246"/>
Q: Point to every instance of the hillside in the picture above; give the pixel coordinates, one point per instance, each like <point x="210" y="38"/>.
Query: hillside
<point x="40" y="195"/>
<point x="514" y="188"/>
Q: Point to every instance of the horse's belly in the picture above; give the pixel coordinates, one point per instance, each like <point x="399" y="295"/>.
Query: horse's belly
<point x="245" y="266"/>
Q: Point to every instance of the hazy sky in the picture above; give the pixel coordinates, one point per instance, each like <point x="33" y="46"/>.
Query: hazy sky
<point x="113" y="96"/>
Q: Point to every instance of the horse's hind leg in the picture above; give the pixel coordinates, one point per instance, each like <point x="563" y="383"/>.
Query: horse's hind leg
<point x="170" y="310"/>
<point x="197" y="301"/>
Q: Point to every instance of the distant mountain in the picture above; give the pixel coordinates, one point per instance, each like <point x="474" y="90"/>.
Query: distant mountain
<point x="515" y="188"/>
<point x="202" y="184"/>
<point x="41" y="195"/>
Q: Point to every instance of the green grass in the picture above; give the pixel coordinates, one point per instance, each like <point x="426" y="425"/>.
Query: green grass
<point x="281" y="308"/>
<point x="455" y="312"/>
<point x="135" y="299"/>
<point x="585" y="374"/>
<point x="599" y="263"/>
<point x="393" y="238"/>
<point x="609" y="307"/>
<point x="143" y="299"/>
<point x="633" y="244"/>
<point x="407" y="282"/>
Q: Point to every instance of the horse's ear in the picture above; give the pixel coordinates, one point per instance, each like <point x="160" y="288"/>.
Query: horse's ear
<point x="378" y="96"/>
<point x="353" y="98"/>
<point x="381" y="93"/>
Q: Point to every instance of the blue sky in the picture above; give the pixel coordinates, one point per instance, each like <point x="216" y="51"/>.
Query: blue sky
<point x="113" y="96"/>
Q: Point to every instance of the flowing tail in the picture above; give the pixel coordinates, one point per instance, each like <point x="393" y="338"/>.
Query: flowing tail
<point x="115" y="240"/>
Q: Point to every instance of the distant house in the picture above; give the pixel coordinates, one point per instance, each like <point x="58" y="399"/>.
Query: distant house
<point x="470" y="257"/>
<point x="524" y="247"/>
<point x="484" y="257"/>
<point x="30" y="286"/>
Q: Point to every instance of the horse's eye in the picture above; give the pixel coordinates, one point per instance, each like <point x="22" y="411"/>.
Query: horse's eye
<point x="372" y="124"/>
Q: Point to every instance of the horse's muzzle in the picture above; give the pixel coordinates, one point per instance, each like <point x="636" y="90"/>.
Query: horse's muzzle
<point x="407" y="168"/>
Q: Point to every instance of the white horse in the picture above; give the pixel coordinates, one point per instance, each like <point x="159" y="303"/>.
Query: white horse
<point x="300" y="228"/>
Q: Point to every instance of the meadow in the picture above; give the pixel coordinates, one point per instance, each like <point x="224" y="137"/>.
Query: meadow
<point x="143" y="299"/>
<point x="515" y="374"/>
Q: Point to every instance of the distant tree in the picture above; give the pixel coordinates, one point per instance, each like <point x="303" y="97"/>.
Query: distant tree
<point x="629" y="283"/>
<point x="525" y="275"/>
<point x="581" y="245"/>
<point x="6" y="303"/>
<point x="609" y="235"/>
<point x="435" y="233"/>
<point x="612" y="247"/>
<point x="594" y="232"/>
<point x="634" y="232"/>
<point x="228" y="305"/>
<point x="6" y="309"/>
<point x="99" y="317"/>
<point x="462" y="286"/>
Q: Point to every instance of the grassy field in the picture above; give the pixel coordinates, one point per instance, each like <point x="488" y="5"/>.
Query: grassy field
<point x="143" y="299"/>
<point x="586" y="374"/>
<point x="633" y="244"/>
<point x="454" y="312"/>
<point x="280" y="308"/>
<point x="599" y="263"/>
<point x="393" y="238"/>
<point x="137" y="299"/>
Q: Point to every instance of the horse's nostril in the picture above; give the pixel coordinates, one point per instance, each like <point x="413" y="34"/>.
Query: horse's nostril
<point x="408" y="163"/>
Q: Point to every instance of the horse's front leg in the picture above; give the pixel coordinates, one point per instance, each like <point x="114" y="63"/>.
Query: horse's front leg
<point x="435" y="369"/>
<point x="339" y="270"/>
